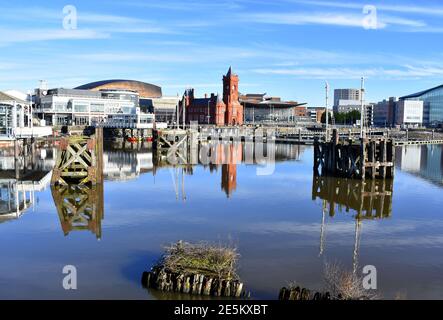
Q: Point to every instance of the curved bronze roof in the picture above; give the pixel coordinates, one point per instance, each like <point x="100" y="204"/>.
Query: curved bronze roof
<point x="145" y="90"/>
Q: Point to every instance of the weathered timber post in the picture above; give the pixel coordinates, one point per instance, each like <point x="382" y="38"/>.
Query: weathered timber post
<point x="79" y="160"/>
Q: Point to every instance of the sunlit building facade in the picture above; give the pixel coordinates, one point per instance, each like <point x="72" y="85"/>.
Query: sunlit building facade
<point x="80" y="107"/>
<point x="432" y="105"/>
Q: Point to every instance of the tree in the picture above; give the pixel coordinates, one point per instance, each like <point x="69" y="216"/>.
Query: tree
<point x="323" y="117"/>
<point x="349" y="118"/>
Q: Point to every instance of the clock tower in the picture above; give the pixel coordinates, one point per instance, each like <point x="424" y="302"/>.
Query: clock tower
<point x="234" y="110"/>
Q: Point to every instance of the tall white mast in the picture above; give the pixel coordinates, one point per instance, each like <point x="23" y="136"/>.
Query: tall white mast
<point x="362" y="107"/>
<point x="327" y="112"/>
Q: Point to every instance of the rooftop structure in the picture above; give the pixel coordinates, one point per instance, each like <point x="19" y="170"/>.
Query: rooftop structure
<point x="145" y="90"/>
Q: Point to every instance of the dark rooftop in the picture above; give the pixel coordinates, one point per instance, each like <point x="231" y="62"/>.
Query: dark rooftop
<point x="418" y="94"/>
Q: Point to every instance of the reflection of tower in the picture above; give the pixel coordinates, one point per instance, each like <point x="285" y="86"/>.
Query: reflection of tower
<point x="232" y="155"/>
<point x="229" y="178"/>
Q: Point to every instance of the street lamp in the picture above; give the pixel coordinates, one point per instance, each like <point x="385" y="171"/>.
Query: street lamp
<point x="362" y="91"/>
<point x="326" y="110"/>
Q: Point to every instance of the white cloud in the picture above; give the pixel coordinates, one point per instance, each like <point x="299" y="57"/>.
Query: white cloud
<point x="405" y="72"/>
<point x="425" y="10"/>
<point x="328" y="18"/>
<point x="346" y="20"/>
<point x="8" y="36"/>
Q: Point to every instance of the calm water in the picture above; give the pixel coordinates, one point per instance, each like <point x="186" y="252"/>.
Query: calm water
<point x="277" y="222"/>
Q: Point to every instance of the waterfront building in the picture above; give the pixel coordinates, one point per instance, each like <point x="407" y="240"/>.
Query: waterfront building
<point x="315" y="113"/>
<point x="384" y="112"/>
<point x="12" y="114"/>
<point x="260" y="108"/>
<point x="164" y="108"/>
<point x="346" y="94"/>
<point x="215" y="109"/>
<point x="409" y="113"/>
<point x="82" y="107"/>
<point x="345" y="106"/>
<point x="16" y="120"/>
<point x="432" y="105"/>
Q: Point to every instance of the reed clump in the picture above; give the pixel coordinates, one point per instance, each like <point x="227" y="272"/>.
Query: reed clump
<point x="201" y="258"/>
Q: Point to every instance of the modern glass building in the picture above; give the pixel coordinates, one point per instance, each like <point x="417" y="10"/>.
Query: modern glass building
<point x="432" y="105"/>
<point x="83" y="107"/>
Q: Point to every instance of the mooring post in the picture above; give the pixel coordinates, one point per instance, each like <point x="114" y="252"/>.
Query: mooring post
<point x="334" y="142"/>
<point x="316" y="155"/>
<point x="383" y="161"/>
<point x="16" y="159"/>
<point x="362" y="167"/>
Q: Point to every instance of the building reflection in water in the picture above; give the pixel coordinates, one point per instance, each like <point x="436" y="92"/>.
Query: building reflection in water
<point x="21" y="176"/>
<point x="79" y="207"/>
<point x="226" y="156"/>
<point x="424" y="161"/>
<point x="368" y="199"/>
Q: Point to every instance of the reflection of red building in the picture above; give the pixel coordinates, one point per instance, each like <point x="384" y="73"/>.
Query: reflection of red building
<point x="214" y="109"/>
<point x="233" y="155"/>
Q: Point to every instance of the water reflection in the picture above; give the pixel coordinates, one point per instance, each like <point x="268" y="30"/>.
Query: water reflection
<point x="279" y="230"/>
<point x="79" y="207"/>
<point x="21" y="176"/>
<point x="369" y="199"/>
<point x="424" y="161"/>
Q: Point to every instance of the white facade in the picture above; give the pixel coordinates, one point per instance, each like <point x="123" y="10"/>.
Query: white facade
<point x="16" y="120"/>
<point x="346" y="94"/>
<point x="344" y="105"/>
<point x="409" y="112"/>
<point x="82" y="107"/>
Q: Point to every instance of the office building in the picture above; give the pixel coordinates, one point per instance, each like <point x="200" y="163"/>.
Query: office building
<point x="432" y="105"/>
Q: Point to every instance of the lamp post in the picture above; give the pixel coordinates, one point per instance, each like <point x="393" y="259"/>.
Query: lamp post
<point x="327" y="112"/>
<point x="362" y="91"/>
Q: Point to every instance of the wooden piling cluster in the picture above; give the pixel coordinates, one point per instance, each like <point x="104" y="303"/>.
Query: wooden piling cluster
<point x="79" y="160"/>
<point x="196" y="284"/>
<point x="298" y="293"/>
<point x="367" y="158"/>
<point x="174" y="145"/>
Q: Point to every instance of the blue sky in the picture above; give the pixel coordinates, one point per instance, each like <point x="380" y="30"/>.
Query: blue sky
<point x="285" y="48"/>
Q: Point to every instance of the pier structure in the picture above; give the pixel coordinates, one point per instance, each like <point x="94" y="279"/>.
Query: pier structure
<point x="80" y="160"/>
<point x="366" y="158"/>
<point x="77" y="183"/>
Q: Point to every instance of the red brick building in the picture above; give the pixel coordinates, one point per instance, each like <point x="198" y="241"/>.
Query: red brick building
<point x="221" y="111"/>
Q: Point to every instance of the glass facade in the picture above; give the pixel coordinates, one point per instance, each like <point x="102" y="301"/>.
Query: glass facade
<point x="432" y="103"/>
